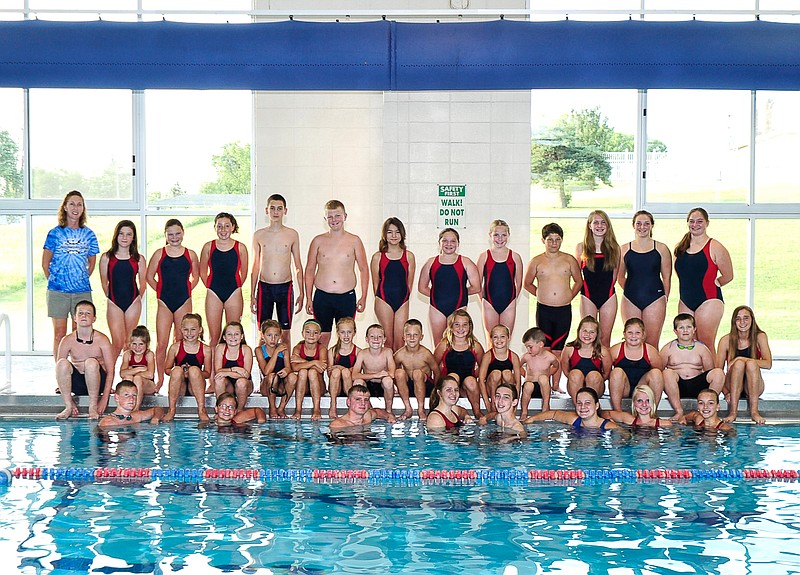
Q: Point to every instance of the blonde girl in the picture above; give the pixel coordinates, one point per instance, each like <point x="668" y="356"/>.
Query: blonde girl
<point x="173" y="272"/>
<point x="585" y="360"/>
<point x="499" y="364"/>
<point x="501" y="279"/>
<point x="598" y="255"/>
<point x="122" y="276"/>
<point x="188" y="363"/>
<point x="460" y="353"/>
<point x="277" y="378"/>
<point x="233" y="359"/>
<point x="343" y="358"/>
<point x="392" y="268"/>
<point x="139" y="364"/>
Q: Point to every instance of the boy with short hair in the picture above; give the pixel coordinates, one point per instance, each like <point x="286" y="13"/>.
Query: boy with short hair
<point x="416" y="364"/>
<point x="375" y="368"/>
<point x="552" y="271"/>
<point x="688" y="365"/>
<point x="330" y="278"/>
<point x="504" y="407"/>
<point x="275" y="248"/>
<point x="359" y="410"/>
<point x="539" y="365"/>
<point x="126" y="395"/>
<point x="85" y="364"/>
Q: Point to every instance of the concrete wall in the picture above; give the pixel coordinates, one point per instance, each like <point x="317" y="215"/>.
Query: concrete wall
<point x="385" y="154"/>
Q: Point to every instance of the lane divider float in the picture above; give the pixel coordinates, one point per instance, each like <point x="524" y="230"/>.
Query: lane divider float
<point x="416" y="476"/>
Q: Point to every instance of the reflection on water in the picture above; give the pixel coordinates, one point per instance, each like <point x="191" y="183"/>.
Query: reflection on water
<point x="398" y="527"/>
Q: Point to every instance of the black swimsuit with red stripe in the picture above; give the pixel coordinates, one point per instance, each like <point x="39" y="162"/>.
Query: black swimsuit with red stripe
<point x="448" y="286"/>
<point x="393" y="280"/>
<point x="498" y="281"/>
<point x="122" y="287"/>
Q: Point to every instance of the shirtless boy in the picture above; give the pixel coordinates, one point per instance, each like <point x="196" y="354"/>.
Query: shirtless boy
<point x="415" y="363"/>
<point x="359" y="410"/>
<point x="85" y="364"/>
<point x="539" y="365"/>
<point x="504" y="407"/>
<point x="126" y="395"/>
<point x="552" y="271"/>
<point x="374" y="368"/>
<point x="688" y="365"/>
<point x="275" y="247"/>
<point x="330" y="268"/>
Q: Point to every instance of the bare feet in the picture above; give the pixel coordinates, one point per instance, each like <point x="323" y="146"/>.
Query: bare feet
<point x="757" y="417"/>
<point x="203" y="415"/>
<point x="93" y="413"/>
<point x="169" y="416"/>
<point x="406" y="414"/>
<point x="71" y="411"/>
<point x="332" y="413"/>
<point x="273" y="413"/>
<point x="281" y="414"/>
<point x="298" y="413"/>
<point x="316" y="415"/>
<point x="422" y="415"/>
<point x="731" y="417"/>
<point x="679" y="417"/>
<point x="391" y="418"/>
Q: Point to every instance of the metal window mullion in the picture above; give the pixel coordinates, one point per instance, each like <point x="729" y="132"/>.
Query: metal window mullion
<point x="640" y="145"/>
<point x="750" y="258"/>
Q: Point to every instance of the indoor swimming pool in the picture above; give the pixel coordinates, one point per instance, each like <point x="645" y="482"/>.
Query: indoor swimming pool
<point x="282" y="519"/>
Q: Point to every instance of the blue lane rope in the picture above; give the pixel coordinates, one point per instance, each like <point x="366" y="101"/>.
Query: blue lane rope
<point x="512" y="476"/>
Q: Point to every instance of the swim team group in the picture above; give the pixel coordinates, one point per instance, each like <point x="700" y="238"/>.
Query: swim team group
<point x="332" y="287"/>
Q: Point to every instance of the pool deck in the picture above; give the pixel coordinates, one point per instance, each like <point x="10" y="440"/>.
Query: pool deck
<point x="30" y="393"/>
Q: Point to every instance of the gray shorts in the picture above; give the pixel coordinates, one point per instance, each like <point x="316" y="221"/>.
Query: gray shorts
<point x="61" y="304"/>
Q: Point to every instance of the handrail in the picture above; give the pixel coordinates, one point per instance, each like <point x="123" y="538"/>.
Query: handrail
<point x="4" y="320"/>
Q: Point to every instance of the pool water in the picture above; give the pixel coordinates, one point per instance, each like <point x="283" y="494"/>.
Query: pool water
<point x="727" y="526"/>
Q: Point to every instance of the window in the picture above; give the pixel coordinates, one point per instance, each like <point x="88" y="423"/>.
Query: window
<point x="81" y="140"/>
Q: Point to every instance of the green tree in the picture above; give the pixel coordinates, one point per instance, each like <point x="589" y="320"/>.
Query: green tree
<point x="233" y="171"/>
<point x="558" y="166"/>
<point x="571" y="152"/>
<point x="10" y="174"/>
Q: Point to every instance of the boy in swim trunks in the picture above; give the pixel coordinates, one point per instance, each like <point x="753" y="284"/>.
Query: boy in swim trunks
<point x="275" y="248"/>
<point x="688" y="365"/>
<point x="359" y="410"/>
<point x="416" y="364"/>
<point x="126" y="413"/>
<point x="85" y="364"/>
<point x="539" y="365"/>
<point x="552" y="271"/>
<point x="375" y="368"/>
<point x="330" y="268"/>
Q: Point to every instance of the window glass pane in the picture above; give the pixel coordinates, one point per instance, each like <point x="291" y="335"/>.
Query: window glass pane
<point x="11" y="121"/>
<point x="208" y="5"/>
<point x="690" y="6"/>
<point x="568" y="9"/>
<point x="197" y="231"/>
<point x="11" y="5"/>
<point x="199" y="165"/>
<point x="582" y="155"/>
<point x="13" y="279"/>
<point x="699" y="146"/>
<point x="777" y="140"/>
<point x="66" y="9"/>
<point x="775" y="287"/>
<point x="81" y="139"/>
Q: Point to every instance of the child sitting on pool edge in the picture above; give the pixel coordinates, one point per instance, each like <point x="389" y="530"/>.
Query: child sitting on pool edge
<point x="125" y="395"/>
